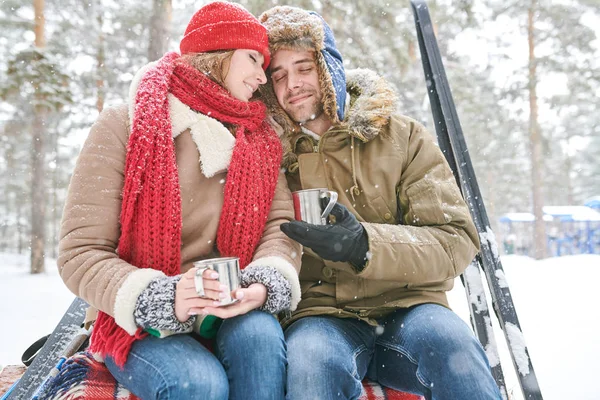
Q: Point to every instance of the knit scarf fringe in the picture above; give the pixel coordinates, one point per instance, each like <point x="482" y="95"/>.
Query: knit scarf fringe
<point x="151" y="193"/>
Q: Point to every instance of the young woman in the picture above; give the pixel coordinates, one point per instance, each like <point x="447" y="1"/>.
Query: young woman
<point x="189" y="170"/>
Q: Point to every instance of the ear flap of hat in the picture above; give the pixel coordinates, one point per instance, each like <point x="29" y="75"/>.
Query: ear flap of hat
<point x="335" y="67"/>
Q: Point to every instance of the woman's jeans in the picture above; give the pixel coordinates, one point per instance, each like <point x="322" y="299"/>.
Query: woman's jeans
<point x="426" y="350"/>
<point x="249" y="363"/>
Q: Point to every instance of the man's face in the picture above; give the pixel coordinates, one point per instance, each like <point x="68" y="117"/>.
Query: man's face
<point x="296" y="84"/>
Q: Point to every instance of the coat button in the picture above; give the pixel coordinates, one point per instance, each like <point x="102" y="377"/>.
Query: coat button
<point x="327" y="272"/>
<point x="387" y="215"/>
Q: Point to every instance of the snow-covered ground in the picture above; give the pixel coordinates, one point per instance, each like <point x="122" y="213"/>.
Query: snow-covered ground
<point x="558" y="305"/>
<point x="30" y="305"/>
<point x="557" y="301"/>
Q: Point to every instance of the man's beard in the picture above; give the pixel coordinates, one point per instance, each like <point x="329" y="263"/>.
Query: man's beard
<point x="315" y="112"/>
<point x="302" y="115"/>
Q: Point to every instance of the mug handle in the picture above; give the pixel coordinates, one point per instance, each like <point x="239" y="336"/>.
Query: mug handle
<point x="333" y="196"/>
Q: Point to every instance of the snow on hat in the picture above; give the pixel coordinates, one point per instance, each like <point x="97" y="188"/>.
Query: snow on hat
<point x="292" y="28"/>
<point x="225" y="26"/>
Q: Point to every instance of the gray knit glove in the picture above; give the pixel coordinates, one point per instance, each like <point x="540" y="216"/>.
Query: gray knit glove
<point x="279" y="290"/>
<point x="155" y="307"/>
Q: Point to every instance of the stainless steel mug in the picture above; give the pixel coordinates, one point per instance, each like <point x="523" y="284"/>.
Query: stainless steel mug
<point x="307" y="205"/>
<point x="229" y="275"/>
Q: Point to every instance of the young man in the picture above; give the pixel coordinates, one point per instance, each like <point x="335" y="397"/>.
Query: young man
<point x="374" y="279"/>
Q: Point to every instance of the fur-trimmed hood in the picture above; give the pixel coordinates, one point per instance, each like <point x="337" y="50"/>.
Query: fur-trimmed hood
<point x="372" y="101"/>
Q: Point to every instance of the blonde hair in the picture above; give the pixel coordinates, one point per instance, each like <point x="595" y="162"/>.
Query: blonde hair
<point x="215" y="64"/>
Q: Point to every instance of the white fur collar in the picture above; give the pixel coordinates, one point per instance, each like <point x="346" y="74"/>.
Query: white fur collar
<point x="214" y="141"/>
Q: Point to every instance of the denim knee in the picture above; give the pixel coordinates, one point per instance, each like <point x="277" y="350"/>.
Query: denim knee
<point x="175" y="367"/>
<point x="324" y="346"/>
<point x="252" y="350"/>
<point x="464" y="354"/>
<point x="327" y="358"/>
<point x="308" y="347"/>
<point x="255" y="329"/>
<point x="429" y="334"/>
<point x="210" y="383"/>
<point x="454" y="341"/>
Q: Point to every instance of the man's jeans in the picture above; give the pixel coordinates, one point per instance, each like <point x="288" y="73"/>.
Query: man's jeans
<point x="250" y="363"/>
<point x="426" y="350"/>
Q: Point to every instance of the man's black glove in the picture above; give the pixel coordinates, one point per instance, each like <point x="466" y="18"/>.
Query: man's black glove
<point x="344" y="240"/>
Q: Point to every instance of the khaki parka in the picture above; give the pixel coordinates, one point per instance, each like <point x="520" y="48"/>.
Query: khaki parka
<point x="389" y="172"/>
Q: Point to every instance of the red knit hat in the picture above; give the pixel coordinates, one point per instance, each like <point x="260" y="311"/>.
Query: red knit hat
<point x="225" y="26"/>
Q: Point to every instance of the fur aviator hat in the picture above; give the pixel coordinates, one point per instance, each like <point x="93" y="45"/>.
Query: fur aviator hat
<point x="292" y="28"/>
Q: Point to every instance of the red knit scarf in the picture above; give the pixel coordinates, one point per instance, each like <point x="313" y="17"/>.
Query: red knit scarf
<point x="151" y="207"/>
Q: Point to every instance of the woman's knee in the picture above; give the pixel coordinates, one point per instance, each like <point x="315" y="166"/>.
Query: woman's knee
<point x="255" y="329"/>
<point x="173" y="367"/>
<point x="252" y="323"/>
<point x="211" y="383"/>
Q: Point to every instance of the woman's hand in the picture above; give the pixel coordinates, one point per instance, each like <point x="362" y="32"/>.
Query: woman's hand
<point x="187" y="301"/>
<point x="250" y="298"/>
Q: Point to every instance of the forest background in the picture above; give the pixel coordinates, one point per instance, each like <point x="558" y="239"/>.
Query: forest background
<point x="525" y="76"/>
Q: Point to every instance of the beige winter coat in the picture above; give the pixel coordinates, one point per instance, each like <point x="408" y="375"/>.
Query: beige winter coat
<point x="398" y="184"/>
<point x="88" y="262"/>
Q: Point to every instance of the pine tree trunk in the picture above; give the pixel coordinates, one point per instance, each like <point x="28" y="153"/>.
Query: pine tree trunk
<point x="10" y="197"/>
<point x="491" y="206"/>
<point x="20" y="234"/>
<point x="412" y="58"/>
<point x="100" y="66"/>
<point x="55" y="218"/>
<point x="38" y="192"/>
<point x="5" y="220"/>
<point x="159" y="29"/>
<point x="568" y="178"/>
<point x="535" y="142"/>
<point x="4" y="226"/>
<point x="39" y="23"/>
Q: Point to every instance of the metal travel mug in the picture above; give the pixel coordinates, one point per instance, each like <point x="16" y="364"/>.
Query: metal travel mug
<point x="307" y="205"/>
<point x="229" y="275"/>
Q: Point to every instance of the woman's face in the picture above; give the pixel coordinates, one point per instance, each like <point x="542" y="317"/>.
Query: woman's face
<point x="245" y="74"/>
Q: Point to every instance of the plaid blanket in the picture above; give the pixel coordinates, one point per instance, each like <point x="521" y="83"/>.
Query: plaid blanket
<point x="82" y="377"/>
<point x="374" y="391"/>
